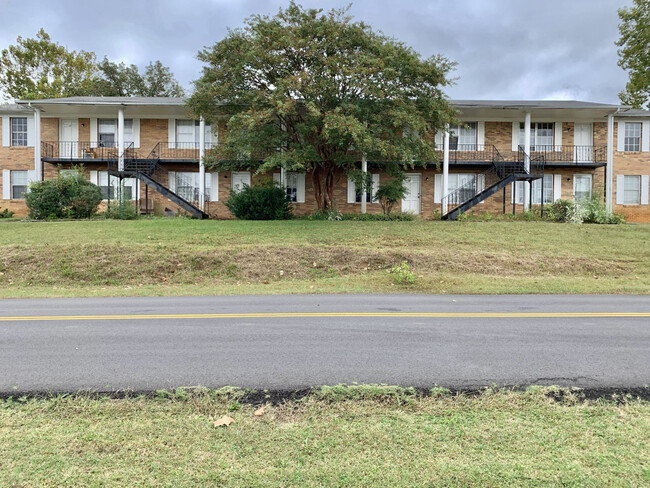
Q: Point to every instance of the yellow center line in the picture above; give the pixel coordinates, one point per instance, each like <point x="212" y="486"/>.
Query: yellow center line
<point x="532" y="315"/>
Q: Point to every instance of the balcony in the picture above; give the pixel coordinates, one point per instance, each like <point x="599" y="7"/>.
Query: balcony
<point x="178" y="151"/>
<point x="588" y="156"/>
<point x="67" y="151"/>
<point x="471" y="153"/>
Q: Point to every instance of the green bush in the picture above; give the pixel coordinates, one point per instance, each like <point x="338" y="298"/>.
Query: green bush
<point x="401" y="217"/>
<point x="69" y="197"/>
<point x="6" y="214"/>
<point x="589" y="211"/>
<point x="264" y="201"/>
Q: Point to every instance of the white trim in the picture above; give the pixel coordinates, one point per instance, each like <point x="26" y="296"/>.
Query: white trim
<point x="620" y="137"/>
<point x="480" y="134"/>
<point x="30" y="132"/>
<point x="136" y="133"/>
<point x="6" y="131"/>
<point x="439" y="139"/>
<point x="352" y="191"/>
<point x="645" y="136"/>
<point x="171" y="132"/>
<point x="300" y="187"/>
<point x="437" y="188"/>
<point x="214" y="186"/>
<point x="515" y="136"/>
<point x="644" y="189"/>
<point x="6" y="184"/>
<point x="93" y="132"/>
<point x="620" y="189"/>
<point x="557" y="187"/>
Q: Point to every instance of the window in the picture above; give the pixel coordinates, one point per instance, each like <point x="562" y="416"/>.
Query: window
<point x="19" y="182"/>
<point x="109" y="187"/>
<point x="581" y="187"/>
<point x="19" y="131"/>
<point x="108" y="132"/>
<point x="463" y="186"/>
<point x="463" y="137"/>
<point x="541" y="136"/>
<point x="631" y="190"/>
<point x="537" y="190"/>
<point x="632" y="140"/>
<point x="354" y="195"/>
<point x="291" y="181"/>
<point x="188" y="133"/>
<point x="188" y="186"/>
<point x="66" y="173"/>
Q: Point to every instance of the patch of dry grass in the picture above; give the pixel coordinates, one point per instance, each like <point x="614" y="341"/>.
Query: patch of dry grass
<point x="336" y="436"/>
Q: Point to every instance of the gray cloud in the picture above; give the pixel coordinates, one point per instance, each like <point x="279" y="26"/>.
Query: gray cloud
<point x="505" y="49"/>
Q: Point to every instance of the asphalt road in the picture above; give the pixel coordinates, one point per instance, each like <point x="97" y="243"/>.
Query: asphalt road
<point x="293" y="342"/>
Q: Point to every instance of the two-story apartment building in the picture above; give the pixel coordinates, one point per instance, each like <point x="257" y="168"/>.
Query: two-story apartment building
<point x="505" y="156"/>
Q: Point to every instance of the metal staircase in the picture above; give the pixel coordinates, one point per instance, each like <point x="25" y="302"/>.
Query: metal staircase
<point x="482" y="186"/>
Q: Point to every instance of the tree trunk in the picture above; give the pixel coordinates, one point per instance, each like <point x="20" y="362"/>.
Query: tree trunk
<point x="323" y="180"/>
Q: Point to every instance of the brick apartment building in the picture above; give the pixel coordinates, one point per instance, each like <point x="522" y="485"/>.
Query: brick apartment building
<point x="507" y="155"/>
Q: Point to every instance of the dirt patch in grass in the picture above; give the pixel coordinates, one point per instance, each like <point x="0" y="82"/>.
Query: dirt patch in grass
<point x="133" y="265"/>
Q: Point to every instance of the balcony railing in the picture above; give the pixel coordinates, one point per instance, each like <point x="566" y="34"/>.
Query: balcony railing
<point x="74" y="150"/>
<point x="466" y="153"/>
<point x="179" y="151"/>
<point x="568" y="154"/>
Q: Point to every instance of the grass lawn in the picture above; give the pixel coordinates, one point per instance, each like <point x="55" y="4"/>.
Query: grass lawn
<point x="190" y="257"/>
<point x="360" y="436"/>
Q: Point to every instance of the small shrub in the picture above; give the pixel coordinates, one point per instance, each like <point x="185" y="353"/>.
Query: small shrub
<point x="6" y="214"/>
<point x="590" y="211"/>
<point x="329" y="214"/>
<point x="397" y="217"/>
<point x="403" y="274"/>
<point x="122" y="210"/>
<point x="70" y="197"/>
<point x="265" y="201"/>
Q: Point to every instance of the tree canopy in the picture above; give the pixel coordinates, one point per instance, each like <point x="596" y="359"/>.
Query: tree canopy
<point x="310" y="91"/>
<point x="634" y="54"/>
<point x="41" y="68"/>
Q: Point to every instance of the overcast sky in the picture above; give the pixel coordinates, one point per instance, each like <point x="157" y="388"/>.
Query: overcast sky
<point x="505" y="49"/>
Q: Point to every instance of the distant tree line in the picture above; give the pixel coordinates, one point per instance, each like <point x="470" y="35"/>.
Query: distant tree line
<point x="38" y="67"/>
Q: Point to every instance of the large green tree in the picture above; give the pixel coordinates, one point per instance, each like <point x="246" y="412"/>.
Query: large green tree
<point x="311" y="91"/>
<point x="41" y="68"/>
<point x="634" y="52"/>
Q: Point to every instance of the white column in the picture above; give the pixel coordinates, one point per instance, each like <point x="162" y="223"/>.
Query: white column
<point x="609" y="182"/>
<point x="38" y="164"/>
<point x="201" y="163"/>
<point x="120" y="139"/>
<point x="364" y="170"/>
<point x="526" y="159"/>
<point x="445" y="170"/>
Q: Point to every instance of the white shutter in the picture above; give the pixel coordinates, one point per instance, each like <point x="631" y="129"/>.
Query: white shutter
<point x="437" y="188"/>
<point x="480" y="185"/>
<point x="300" y="188"/>
<point x="352" y="192"/>
<point x="644" y="189"/>
<point x="31" y="132"/>
<point x="645" y="136"/>
<point x="136" y="133"/>
<point x="171" y="132"/>
<point x="620" y="142"/>
<point x="208" y="135"/>
<point x="93" y="177"/>
<point x="6" y="184"/>
<point x="620" y="189"/>
<point x="32" y="175"/>
<point x="93" y="132"/>
<point x="557" y="187"/>
<point x="515" y="136"/>
<point x="439" y="139"/>
<point x="375" y="186"/>
<point x="480" y="135"/>
<point x="557" y="140"/>
<point x="172" y="181"/>
<point x="6" y="132"/>
<point x="277" y="178"/>
<point x="214" y="189"/>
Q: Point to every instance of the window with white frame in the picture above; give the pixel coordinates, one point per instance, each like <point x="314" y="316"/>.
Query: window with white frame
<point x="107" y="129"/>
<point x="463" y="186"/>
<point x="547" y="184"/>
<point x="541" y="136"/>
<point x="188" y="134"/>
<point x="111" y="190"/>
<point x="19" y="183"/>
<point x="631" y="190"/>
<point x="188" y="185"/>
<point x="632" y="141"/>
<point x="581" y="187"/>
<point x="67" y="173"/>
<point x="355" y="195"/>
<point x="19" y="131"/>
<point x="463" y="137"/>
<point x="518" y="192"/>
<point x="291" y="182"/>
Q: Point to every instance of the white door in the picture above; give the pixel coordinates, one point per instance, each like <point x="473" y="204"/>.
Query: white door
<point x="239" y="179"/>
<point x="68" y="137"/>
<point x="411" y="201"/>
<point x="583" y="137"/>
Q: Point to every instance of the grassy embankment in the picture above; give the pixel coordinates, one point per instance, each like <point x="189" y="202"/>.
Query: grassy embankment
<point x="184" y="257"/>
<point x="364" y="436"/>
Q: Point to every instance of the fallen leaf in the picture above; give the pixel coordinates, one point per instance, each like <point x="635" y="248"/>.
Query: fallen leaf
<point x="315" y="264"/>
<point x="259" y="412"/>
<point x="224" y="421"/>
